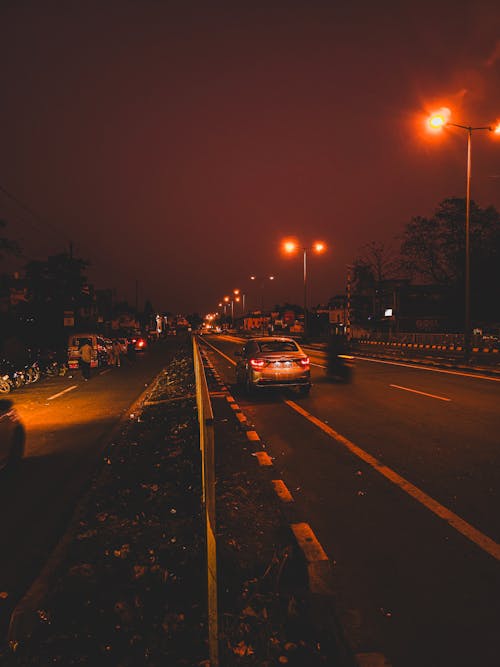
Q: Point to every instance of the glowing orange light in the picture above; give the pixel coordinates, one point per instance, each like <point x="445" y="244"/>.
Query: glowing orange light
<point x="226" y="299"/>
<point x="496" y="129"/>
<point x="319" y="246"/>
<point x="439" y="118"/>
<point x="236" y="291"/>
<point x="290" y="246"/>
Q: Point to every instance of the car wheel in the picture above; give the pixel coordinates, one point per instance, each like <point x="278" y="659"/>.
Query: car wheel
<point x="17" y="450"/>
<point x="4" y="386"/>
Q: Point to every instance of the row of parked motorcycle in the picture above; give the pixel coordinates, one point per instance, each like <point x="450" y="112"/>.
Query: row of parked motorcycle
<point x="13" y="376"/>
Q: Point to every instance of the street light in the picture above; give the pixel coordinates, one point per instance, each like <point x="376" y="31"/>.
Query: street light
<point x="291" y="247"/>
<point x="262" y="284"/>
<point x="436" y="122"/>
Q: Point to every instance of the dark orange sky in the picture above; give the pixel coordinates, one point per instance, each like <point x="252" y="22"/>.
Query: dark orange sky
<point x="176" y="143"/>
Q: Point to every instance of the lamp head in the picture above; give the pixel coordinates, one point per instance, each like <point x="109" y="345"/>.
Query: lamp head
<point x="438" y="119"/>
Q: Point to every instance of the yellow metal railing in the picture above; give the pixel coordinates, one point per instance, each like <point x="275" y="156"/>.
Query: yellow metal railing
<point x="207" y="446"/>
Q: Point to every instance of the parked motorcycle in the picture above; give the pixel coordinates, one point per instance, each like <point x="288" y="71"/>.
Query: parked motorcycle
<point x="5" y="384"/>
<point x="32" y="372"/>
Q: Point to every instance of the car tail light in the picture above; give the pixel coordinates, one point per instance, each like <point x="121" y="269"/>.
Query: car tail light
<point x="140" y="343"/>
<point x="304" y="362"/>
<point x="257" y="363"/>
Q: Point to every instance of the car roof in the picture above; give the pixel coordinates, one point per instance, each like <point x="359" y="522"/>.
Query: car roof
<point x="283" y="339"/>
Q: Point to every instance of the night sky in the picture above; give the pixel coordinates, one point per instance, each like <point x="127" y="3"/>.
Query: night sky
<point x="177" y="143"/>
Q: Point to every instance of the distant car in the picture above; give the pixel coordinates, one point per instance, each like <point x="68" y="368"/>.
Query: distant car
<point x="11" y="435"/>
<point x="139" y="344"/>
<point x="273" y="362"/>
<point x="99" y="349"/>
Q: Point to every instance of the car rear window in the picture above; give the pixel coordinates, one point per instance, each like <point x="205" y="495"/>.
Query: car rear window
<point x="278" y="346"/>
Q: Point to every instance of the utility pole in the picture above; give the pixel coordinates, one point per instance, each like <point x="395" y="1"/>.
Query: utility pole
<point x="348" y="314"/>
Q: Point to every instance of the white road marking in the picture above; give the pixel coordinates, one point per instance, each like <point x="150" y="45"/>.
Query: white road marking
<point x="308" y="542"/>
<point x="263" y="458"/>
<point x="430" y="368"/>
<point x="422" y="393"/>
<point x="484" y="542"/>
<point x="108" y="370"/>
<point x="282" y="491"/>
<point x="51" y="398"/>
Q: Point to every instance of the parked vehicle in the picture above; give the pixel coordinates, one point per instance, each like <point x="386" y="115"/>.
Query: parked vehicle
<point x="12" y="377"/>
<point x="12" y="435"/>
<point x="273" y="362"/>
<point x="99" y="349"/>
<point x="5" y="384"/>
<point x="32" y="372"/>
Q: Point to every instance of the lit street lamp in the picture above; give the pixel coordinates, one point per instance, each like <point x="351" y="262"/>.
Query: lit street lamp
<point x="262" y="284"/>
<point x="437" y="121"/>
<point x="291" y="247"/>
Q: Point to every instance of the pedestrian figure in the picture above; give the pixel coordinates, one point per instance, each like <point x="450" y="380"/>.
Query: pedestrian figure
<point x="116" y="353"/>
<point x="85" y="358"/>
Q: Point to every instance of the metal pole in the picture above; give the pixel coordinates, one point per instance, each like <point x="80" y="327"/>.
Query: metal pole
<point x="467" y="331"/>
<point x="467" y="318"/>
<point x="262" y="327"/>
<point x="348" y="323"/>
<point x="305" y="293"/>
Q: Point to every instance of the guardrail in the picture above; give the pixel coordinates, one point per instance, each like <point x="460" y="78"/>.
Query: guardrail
<point x="207" y="446"/>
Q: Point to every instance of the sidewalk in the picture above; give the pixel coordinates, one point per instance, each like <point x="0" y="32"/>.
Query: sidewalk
<point x="126" y="586"/>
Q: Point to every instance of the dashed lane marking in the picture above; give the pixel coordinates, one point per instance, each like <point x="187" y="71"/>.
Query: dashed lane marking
<point x="51" y="398"/>
<point x="282" y="491"/>
<point x="263" y="458"/>
<point x="474" y="376"/>
<point x="108" y="370"/>
<point x="241" y="417"/>
<point x="466" y="529"/>
<point x="253" y="436"/>
<point x="308" y="542"/>
<point x="235" y="406"/>
<point x="422" y="393"/>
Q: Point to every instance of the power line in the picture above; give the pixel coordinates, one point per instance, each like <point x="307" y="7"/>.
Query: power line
<point x="33" y="214"/>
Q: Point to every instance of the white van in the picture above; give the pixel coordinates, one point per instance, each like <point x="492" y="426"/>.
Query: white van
<point x="99" y="349"/>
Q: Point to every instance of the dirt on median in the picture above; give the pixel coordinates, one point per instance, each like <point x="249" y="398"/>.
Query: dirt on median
<point x="131" y="589"/>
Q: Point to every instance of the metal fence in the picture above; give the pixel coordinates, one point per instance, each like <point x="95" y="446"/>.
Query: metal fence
<point x="446" y="339"/>
<point x="207" y="446"/>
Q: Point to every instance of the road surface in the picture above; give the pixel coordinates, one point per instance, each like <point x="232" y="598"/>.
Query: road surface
<point x="398" y="474"/>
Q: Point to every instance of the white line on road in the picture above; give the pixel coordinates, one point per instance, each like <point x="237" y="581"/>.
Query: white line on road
<point x="422" y="393"/>
<point x="51" y="398"/>
<point x="480" y="539"/>
<point x="108" y="370"/>
<point x="429" y="368"/>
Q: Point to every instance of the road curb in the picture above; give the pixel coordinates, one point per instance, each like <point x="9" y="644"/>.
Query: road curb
<point x="26" y="613"/>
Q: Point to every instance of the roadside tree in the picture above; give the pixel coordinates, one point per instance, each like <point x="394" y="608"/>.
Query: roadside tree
<point x="433" y="252"/>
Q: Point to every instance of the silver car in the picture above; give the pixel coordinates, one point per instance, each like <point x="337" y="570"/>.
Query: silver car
<point x="273" y="362"/>
<point x="11" y="435"/>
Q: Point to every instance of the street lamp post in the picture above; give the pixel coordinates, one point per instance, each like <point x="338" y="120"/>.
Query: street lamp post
<point x="436" y="122"/>
<point x="262" y="285"/>
<point x="291" y="247"/>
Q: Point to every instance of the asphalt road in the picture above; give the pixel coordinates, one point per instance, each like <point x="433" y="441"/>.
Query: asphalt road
<point x="398" y="475"/>
<point x="68" y="423"/>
